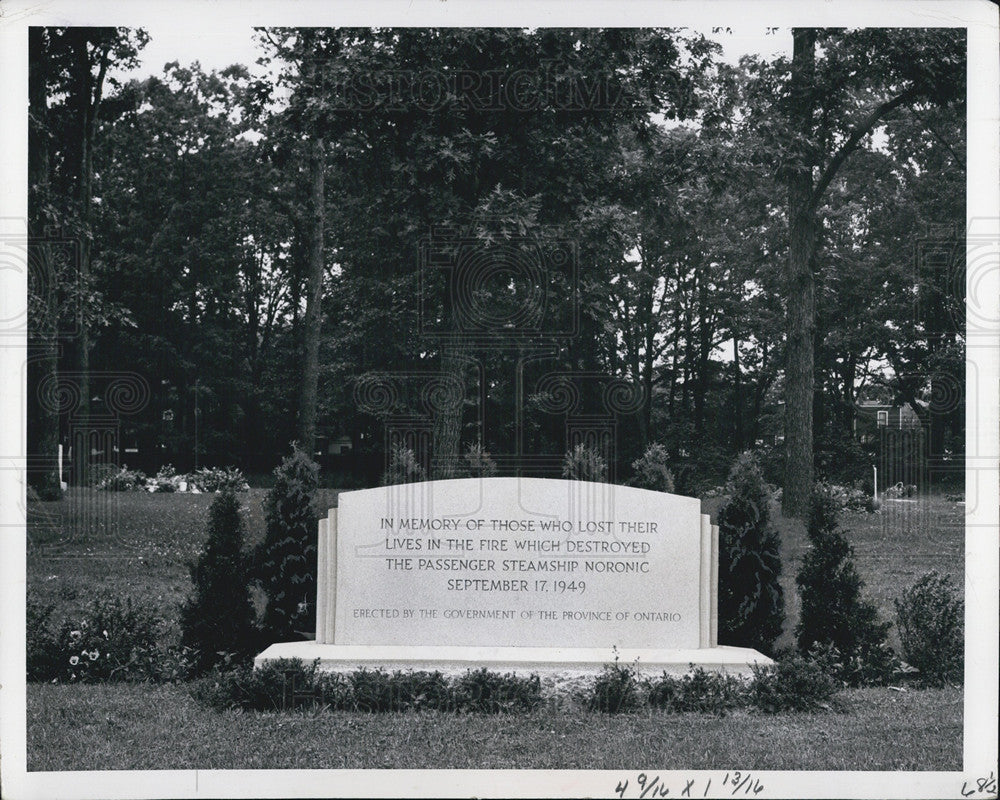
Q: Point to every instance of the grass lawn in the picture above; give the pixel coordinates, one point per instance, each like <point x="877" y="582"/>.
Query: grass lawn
<point x="135" y="544"/>
<point x="93" y="544"/>
<point x="162" y="727"/>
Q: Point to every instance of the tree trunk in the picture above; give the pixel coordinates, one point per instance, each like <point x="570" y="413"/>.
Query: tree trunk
<point x="704" y="351"/>
<point x="646" y="413"/>
<point x="448" y="414"/>
<point x="689" y="361"/>
<point x="43" y="363"/>
<point x="847" y="372"/>
<point x="88" y="93"/>
<point x="314" y="299"/>
<point x="765" y="377"/>
<point x="939" y="408"/>
<point x="675" y="362"/>
<point x="800" y="290"/>
<point x="737" y="396"/>
<point x="819" y="387"/>
<point x="81" y="351"/>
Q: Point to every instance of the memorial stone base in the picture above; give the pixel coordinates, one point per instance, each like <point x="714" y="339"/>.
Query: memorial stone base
<point x="520" y="660"/>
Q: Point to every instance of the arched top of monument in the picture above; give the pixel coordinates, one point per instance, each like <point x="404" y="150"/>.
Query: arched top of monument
<point x="542" y="497"/>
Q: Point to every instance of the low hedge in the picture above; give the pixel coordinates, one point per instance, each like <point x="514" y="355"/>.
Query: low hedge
<point x="791" y="684"/>
<point x="288" y="683"/>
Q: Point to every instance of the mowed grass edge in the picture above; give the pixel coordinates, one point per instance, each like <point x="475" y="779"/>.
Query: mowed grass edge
<point x="162" y="727"/>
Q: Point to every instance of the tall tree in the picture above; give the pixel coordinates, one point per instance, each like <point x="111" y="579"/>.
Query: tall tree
<point x="314" y="60"/>
<point x="43" y="365"/>
<point x="195" y="243"/>
<point x="801" y="298"/>
<point x="68" y="77"/>
<point x="480" y="159"/>
<point x="832" y="106"/>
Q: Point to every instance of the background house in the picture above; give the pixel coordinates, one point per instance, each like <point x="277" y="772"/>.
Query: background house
<point x="871" y="415"/>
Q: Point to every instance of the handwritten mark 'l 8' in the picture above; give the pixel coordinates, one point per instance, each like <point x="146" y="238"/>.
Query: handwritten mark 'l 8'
<point x="986" y="786"/>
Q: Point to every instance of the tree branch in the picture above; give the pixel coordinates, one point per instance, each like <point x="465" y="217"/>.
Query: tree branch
<point x="99" y="88"/>
<point x="958" y="159"/>
<point x="851" y="144"/>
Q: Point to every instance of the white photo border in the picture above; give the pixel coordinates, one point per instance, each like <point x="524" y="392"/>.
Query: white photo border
<point x="983" y="405"/>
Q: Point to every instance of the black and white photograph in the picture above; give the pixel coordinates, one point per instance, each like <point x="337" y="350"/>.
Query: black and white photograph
<point x="452" y="399"/>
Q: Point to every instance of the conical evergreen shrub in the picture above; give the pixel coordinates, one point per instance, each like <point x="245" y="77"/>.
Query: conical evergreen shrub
<point x="751" y="600"/>
<point x="286" y="559"/>
<point x="833" y="612"/>
<point x="218" y="619"/>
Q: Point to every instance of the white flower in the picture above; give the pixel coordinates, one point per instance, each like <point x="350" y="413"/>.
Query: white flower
<point x="74" y="660"/>
<point x="105" y="634"/>
<point x="75" y="634"/>
<point x="92" y="655"/>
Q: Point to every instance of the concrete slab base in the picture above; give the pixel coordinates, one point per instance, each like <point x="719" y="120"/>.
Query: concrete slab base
<point x="522" y="660"/>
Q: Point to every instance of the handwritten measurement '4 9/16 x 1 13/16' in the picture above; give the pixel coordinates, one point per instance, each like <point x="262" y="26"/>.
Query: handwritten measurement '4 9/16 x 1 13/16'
<point x="649" y="786"/>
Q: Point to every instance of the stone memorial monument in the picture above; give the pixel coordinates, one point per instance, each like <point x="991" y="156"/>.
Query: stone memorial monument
<point x="523" y="574"/>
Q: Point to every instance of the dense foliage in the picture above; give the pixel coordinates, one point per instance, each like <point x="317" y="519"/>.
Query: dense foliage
<point x="834" y="613"/>
<point x="584" y="463"/>
<point x="403" y="467"/>
<point x="249" y="250"/>
<point x="930" y="618"/>
<point x="697" y="690"/>
<point x="793" y="683"/>
<point x="751" y="600"/>
<point x="111" y="640"/>
<point x="285" y="562"/>
<point x="218" y="621"/>
<point x="288" y="683"/>
<point x="652" y="470"/>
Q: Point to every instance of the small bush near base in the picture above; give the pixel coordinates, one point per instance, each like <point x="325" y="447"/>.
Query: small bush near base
<point x="485" y="692"/>
<point x="699" y="690"/>
<point x="615" y="690"/>
<point x="380" y="691"/>
<point x="269" y="688"/>
<point x="792" y="684"/>
<point x="930" y="618"/>
<point x="868" y="665"/>
<point x="288" y="683"/>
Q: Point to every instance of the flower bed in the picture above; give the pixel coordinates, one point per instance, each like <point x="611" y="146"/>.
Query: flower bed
<point x="167" y="479"/>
